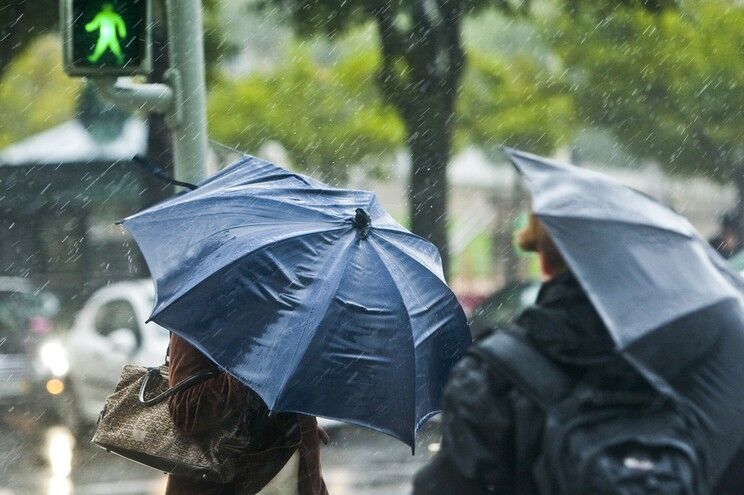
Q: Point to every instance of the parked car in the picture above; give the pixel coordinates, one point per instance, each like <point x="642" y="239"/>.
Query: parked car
<point x="32" y="363"/>
<point x="109" y="332"/>
<point x="502" y="307"/>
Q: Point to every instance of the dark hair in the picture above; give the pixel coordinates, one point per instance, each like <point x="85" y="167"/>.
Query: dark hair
<point x="730" y="220"/>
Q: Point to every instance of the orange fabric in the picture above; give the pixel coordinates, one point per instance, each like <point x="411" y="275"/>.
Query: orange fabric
<point x="206" y="405"/>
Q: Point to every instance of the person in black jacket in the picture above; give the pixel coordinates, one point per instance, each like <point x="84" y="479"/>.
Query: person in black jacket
<point x="490" y="430"/>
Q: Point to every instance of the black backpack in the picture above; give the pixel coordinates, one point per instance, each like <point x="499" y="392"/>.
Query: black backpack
<point x="596" y="442"/>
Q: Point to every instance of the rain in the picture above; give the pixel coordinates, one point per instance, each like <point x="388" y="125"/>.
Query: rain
<point x="243" y="178"/>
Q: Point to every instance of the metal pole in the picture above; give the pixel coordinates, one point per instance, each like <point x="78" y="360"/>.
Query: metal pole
<point x="183" y="99"/>
<point x="147" y="97"/>
<point x="189" y="125"/>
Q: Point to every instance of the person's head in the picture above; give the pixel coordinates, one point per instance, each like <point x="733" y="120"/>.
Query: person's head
<point x="534" y="238"/>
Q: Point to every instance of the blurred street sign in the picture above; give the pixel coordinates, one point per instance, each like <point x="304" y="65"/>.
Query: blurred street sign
<point x="106" y="38"/>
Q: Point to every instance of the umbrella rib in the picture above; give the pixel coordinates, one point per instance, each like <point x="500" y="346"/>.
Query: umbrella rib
<point x="416" y="237"/>
<point x="245" y="195"/>
<point x="434" y="276"/>
<point x="410" y="328"/>
<point x="316" y="209"/>
<point x="183" y="292"/>
<point x="297" y="360"/>
<point x="667" y="322"/>
<point x="441" y="282"/>
<point x="251" y="224"/>
<point x="401" y="232"/>
<point x="614" y="221"/>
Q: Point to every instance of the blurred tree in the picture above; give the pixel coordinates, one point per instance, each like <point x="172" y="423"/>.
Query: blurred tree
<point x="421" y="66"/>
<point x="671" y="86"/>
<point x="326" y="117"/>
<point x="513" y="102"/>
<point x="35" y="93"/>
<point x="422" y="62"/>
<point x="20" y="22"/>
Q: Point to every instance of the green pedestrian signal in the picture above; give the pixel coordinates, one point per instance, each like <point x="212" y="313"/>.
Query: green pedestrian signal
<point x="106" y="37"/>
<point x="110" y="27"/>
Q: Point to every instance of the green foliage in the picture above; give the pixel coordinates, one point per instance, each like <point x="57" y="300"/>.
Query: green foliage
<point x="326" y="117"/>
<point x="21" y="22"/>
<point x="670" y="86"/>
<point x="476" y="259"/>
<point x="217" y="44"/>
<point x="421" y="64"/>
<point x="513" y="102"/>
<point x="35" y="93"/>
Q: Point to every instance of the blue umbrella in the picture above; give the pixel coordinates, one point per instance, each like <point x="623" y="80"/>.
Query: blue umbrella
<point x="672" y="305"/>
<point x="312" y="296"/>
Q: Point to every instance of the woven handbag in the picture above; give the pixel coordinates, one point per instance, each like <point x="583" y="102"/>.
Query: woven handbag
<point x="136" y="424"/>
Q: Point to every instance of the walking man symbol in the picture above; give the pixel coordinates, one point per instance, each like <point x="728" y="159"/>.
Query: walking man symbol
<point x="111" y="28"/>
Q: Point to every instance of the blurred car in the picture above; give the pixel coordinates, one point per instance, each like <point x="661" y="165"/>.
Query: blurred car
<point x="109" y="332"/>
<point x="32" y="363"/>
<point x="502" y="307"/>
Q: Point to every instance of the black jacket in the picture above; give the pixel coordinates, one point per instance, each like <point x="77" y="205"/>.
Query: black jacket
<point x="490" y="431"/>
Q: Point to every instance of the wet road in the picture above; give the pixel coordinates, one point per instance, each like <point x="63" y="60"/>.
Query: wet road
<point x="48" y="461"/>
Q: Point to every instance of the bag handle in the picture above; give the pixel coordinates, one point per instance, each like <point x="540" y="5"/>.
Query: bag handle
<point x="526" y="367"/>
<point x="182" y="385"/>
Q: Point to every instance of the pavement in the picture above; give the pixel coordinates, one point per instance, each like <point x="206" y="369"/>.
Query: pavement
<point x="48" y="460"/>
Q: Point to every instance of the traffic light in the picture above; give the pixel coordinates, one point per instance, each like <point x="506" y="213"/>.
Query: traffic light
<point x="106" y="37"/>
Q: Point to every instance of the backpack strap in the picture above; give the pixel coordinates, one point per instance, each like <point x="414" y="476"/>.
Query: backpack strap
<point x="526" y="367"/>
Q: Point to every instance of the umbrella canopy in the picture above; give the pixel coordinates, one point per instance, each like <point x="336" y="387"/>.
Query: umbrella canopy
<point x="672" y="305"/>
<point x="312" y="296"/>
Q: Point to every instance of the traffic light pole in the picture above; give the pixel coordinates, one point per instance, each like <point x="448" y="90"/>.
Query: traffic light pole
<point x="186" y="49"/>
<point x="183" y="98"/>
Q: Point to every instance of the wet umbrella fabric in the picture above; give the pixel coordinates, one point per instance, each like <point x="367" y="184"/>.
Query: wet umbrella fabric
<point x="312" y="296"/>
<point x="672" y="305"/>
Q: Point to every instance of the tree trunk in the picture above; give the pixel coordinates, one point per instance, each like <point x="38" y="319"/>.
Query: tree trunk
<point x="424" y="94"/>
<point x="429" y="142"/>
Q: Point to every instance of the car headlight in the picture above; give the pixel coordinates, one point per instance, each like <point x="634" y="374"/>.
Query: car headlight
<point x="54" y="357"/>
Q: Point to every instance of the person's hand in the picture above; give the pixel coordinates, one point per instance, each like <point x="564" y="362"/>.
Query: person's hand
<point x="323" y="436"/>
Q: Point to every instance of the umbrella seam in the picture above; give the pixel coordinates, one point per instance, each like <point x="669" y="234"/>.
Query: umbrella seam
<point x="407" y="233"/>
<point x="442" y="282"/>
<point x="192" y="199"/>
<point x="610" y="220"/>
<point x="665" y="323"/>
<point x="436" y="262"/>
<point x="413" y="341"/>
<point x="244" y="161"/>
<point x="231" y="262"/>
<point x="295" y="361"/>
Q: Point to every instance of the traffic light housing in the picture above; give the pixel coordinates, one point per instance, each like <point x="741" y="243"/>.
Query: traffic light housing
<point x="107" y="37"/>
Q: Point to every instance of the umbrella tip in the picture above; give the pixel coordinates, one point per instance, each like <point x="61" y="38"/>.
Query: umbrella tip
<point x="362" y="221"/>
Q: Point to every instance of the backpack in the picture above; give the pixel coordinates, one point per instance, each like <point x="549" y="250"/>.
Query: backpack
<point x="596" y="442"/>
